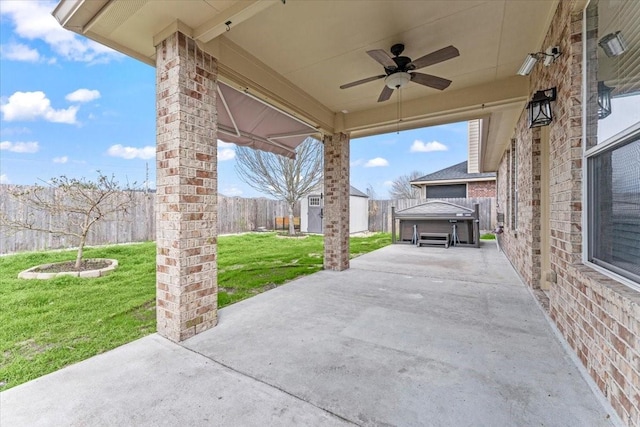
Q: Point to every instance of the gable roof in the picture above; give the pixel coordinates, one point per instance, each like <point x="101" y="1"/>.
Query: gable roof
<point x="353" y="191"/>
<point x="456" y="172"/>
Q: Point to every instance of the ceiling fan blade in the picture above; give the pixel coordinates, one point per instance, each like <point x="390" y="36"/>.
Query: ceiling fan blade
<point x="385" y="94"/>
<point x="431" y="81"/>
<point x="359" y="82"/>
<point x="435" y="57"/>
<point x="382" y="57"/>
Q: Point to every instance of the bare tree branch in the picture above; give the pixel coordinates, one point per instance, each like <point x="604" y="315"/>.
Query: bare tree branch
<point x="402" y="189"/>
<point x="283" y="178"/>
<point x="73" y="206"/>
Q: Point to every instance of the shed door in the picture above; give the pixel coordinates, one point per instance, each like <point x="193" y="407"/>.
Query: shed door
<point x="314" y="214"/>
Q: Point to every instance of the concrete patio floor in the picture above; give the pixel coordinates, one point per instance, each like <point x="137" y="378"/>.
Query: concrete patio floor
<point x="408" y="336"/>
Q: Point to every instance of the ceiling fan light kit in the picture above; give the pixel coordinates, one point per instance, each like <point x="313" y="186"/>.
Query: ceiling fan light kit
<point x="397" y="80"/>
<point x="400" y="70"/>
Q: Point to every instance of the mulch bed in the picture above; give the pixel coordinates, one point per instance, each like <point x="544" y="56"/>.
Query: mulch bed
<point x="85" y="265"/>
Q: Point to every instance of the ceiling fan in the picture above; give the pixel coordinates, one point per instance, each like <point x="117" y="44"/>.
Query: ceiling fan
<point x="399" y="70"/>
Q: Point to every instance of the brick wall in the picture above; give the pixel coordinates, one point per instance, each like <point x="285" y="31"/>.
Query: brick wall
<point x="186" y="203"/>
<point x="336" y="202"/>
<point x="481" y="189"/>
<point x="598" y="316"/>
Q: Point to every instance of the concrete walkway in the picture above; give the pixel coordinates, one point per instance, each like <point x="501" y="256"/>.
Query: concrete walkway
<point x="408" y="336"/>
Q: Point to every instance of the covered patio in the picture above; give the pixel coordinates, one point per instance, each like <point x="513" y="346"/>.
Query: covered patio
<point x="336" y="70"/>
<point x="451" y="343"/>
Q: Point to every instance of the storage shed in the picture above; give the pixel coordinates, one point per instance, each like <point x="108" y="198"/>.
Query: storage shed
<point x="312" y="208"/>
<point x="437" y="222"/>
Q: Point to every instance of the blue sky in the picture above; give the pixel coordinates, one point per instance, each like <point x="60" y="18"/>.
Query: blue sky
<point x="69" y="106"/>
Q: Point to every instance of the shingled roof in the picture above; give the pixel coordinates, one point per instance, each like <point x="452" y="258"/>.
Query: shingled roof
<point x="456" y="172"/>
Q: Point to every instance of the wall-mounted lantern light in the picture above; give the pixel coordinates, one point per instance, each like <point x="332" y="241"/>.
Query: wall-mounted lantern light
<point x="604" y="100"/>
<point x="613" y="44"/>
<point x="540" y="108"/>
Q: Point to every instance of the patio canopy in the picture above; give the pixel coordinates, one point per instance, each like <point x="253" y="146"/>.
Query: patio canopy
<point x="248" y="121"/>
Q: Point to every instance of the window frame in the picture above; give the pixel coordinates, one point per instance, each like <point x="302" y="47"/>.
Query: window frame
<point x="616" y="141"/>
<point x="590" y="153"/>
<point x="315" y="201"/>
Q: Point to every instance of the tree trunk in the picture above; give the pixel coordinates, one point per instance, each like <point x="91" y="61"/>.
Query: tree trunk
<point x="292" y="228"/>
<point x="83" y="240"/>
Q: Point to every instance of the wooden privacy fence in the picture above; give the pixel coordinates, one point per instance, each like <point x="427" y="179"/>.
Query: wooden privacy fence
<point x="235" y="215"/>
<point x="380" y="211"/>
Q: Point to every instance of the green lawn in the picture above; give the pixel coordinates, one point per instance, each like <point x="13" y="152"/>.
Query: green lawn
<point x="48" y="324"/>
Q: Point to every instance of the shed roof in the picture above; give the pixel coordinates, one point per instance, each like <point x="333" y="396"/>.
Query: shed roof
<point x="456" y="172"/>
<point x="353" y="191"/>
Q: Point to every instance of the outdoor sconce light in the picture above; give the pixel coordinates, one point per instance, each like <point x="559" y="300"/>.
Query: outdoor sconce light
<point x="540" y="108"/>
<point x="613" y="44"/>
<point x="604" y="100"/>
<point x="530" y="61"/>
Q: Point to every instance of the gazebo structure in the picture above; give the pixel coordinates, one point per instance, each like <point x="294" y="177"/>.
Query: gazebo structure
<point x="560" y="129"/>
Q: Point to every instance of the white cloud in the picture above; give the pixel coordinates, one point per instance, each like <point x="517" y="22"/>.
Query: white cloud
<point x="4" y="179"/>
<point x="387" y="183"/>
<point x="232" y="191"/>
<point x="222" y="144"/>
<point x="19" y="52"/>
<point x="225" y="152"/>
<point x="35" y="105"/>
<point x="20" y="147"/>
<point x="376" y="163"/>
<point x="426" y="147"/>
<point x="355" y="163"/>
<point x="129" y="153"/>
<point x="33" y="21"/>
<point x="61" y="159"/>
<point x="83" y="95"/>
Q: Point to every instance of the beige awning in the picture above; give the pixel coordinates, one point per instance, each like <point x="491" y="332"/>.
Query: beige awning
<point x="245" y="120"/>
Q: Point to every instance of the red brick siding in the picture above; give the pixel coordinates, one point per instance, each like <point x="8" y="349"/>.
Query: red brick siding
<point x="481" y="189"/>
<point x="599" y="317"/>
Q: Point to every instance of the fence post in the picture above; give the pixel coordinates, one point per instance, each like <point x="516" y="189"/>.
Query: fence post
<point x="393" y="224"/>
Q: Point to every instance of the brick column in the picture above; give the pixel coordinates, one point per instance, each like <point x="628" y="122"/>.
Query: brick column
<point x="336" y="202"/>
<point x="186" y="206"/>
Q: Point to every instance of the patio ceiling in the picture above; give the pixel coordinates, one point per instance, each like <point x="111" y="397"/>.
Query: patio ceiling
<point x="295" y="54"/>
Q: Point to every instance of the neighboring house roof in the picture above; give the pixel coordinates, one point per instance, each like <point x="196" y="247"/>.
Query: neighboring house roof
<point x="455" y="173"/>
<point x="435" y="209"/>
<point x="353" y="191"/>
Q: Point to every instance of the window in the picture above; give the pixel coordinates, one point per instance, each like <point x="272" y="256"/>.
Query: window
<point x="613" y="137"/>
<point x="614" y="206"/>
<point x="453" y="191"/>
<point x="314" y="200"/>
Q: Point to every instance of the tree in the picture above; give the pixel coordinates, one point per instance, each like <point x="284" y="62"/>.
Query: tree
<point x="402" y="189"/>
<point x="72" y="206"/>
<point x="283" y="178"/>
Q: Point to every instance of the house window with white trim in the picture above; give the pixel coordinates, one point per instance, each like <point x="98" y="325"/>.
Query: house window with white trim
<point x="612" y="120"/>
